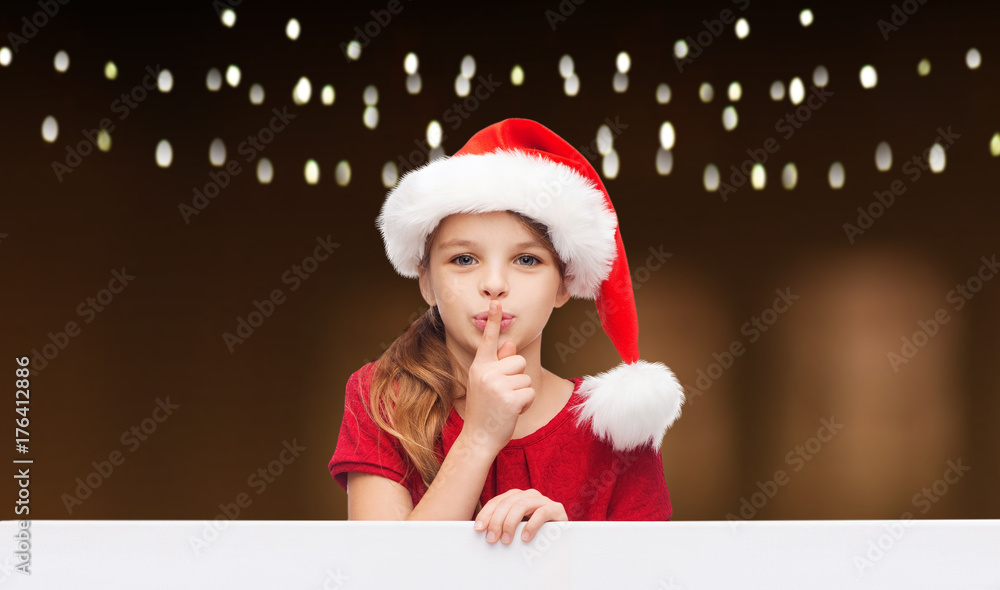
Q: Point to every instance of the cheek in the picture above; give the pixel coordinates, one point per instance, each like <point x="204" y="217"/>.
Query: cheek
<point x="452" y="290"/>
<point x="447" y="292"/>
<point x="548" y="291"/>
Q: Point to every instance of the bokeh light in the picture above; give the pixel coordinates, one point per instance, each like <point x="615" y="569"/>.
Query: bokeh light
<point x="742" y="28"/>
<point x="735" y="91"/>
<point x="789" y="176"/>
<point x="729" y="118"/>
<point x="517" y="75"/>
<point x="936" y="158"/>
<point x="883" y="156"/>
<point x="311" y="171"/>
<point x="293" y="29"/>
<point x="61" y="61"/>
<point x="973" y="58"/>
<point x="664" y="161"/>
<point x="836" y="175"/>
<point x="705" y="92"/>
<point x="711" y="178"/>
<point x="217" y="152"/>
<point x="213" y="81"/>
<point x="302" y="91"/>
<point x="342" y="174"/>
<point x="265" y="171"/>
<point x="164" y="154"/>
<point x="777" y="90"/>
<point x="50" y="129"/>
<point x="410" y="63"/>
<point x="256" y="94"/>
<point x="663" y="93"/>
<point x="869" y="77"/>
<point x="667" y="135"/>
<point x="233" y="75"/>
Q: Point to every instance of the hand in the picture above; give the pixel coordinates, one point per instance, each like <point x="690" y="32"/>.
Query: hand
<point x="501" y="515"/>
<point x="499" y="389"/>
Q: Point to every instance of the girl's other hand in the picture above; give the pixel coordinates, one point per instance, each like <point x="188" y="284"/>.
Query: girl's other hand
<point x="501" y="515"/>
<point x="499" y="389"/>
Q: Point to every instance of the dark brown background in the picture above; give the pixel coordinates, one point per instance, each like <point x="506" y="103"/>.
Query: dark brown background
<point x="826" y="356"/>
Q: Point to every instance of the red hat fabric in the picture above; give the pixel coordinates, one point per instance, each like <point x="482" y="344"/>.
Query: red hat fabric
<point x="520" y="165"/>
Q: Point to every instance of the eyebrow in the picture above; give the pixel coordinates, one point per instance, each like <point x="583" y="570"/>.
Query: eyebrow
<point x="469" y="243"/>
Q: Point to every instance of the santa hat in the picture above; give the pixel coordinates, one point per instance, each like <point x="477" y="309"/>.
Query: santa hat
<point x="520" y="165"/>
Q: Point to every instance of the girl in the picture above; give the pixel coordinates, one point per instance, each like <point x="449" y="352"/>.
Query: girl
<point x="457" y="419"/>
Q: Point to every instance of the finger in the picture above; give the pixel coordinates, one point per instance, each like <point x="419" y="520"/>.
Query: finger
<point x="527" y="397"/>
<point x="491" y="334"/>
<point x="507" y="349"/>
<point x="488" y="519"/>
<point x="513" y="364"/>
<point x="548" y="513"/>
<point x="486" y="513"/>
<point x="516" y="512"/>
<point x="517" y="382"/>
<point x="510" y="511"/>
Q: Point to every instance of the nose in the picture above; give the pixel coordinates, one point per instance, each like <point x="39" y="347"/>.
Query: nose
<point x="494" y="281"/>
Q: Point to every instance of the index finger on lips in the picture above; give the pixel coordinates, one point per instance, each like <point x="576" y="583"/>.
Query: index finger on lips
<point x="491" y="333"/>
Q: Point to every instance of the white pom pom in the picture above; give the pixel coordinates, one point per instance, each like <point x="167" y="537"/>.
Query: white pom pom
<point x="631" y="405"/>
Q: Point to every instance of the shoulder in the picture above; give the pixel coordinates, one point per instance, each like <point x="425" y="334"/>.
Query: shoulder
<point x="361" y="379"/>
<point x="358" y="386"/>
<point x="576" y="399"/>
<point x="366" y="371"/>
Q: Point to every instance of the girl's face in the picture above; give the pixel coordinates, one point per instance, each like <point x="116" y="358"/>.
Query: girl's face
<point x="475" y="258"/>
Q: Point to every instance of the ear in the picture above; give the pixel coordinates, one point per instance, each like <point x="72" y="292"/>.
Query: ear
<point x="425" y="288"/>
<point x="563" y="295"/>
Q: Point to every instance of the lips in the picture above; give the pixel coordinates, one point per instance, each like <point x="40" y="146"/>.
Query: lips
<point x="485" y="315"/>
<point x="481" y="318"/>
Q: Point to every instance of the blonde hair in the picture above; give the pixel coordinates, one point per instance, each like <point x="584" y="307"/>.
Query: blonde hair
<point x="426" y="377"/>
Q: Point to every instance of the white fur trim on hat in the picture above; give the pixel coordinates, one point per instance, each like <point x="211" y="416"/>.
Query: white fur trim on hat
<point x="631" y="405"/>
<point x="581" y="226"/>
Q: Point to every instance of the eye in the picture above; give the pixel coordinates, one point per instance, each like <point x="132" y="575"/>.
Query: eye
<point x="461" y="256"/>
<point x="530" y="257"/>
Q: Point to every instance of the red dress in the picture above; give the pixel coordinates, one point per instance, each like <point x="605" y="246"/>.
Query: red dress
<point x="563" y="461"/>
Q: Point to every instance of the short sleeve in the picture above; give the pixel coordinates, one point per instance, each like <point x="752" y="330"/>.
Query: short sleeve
<point x="640" y="491"/>
<point x="362" y="445"/>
